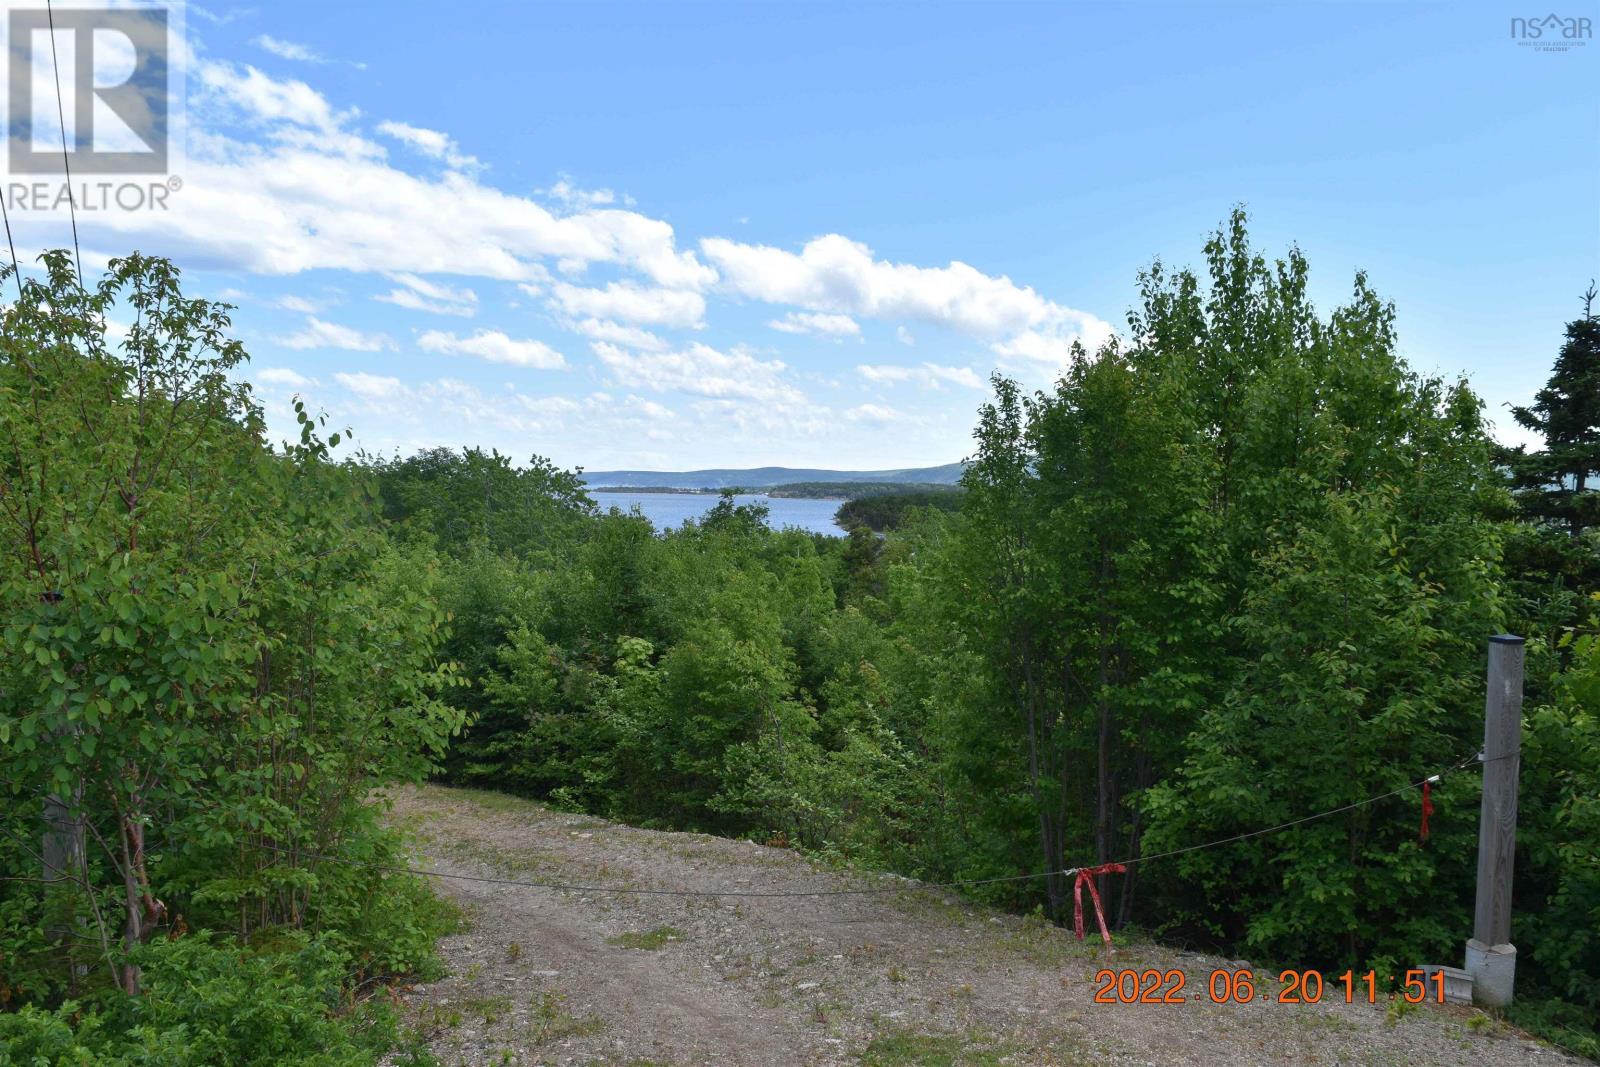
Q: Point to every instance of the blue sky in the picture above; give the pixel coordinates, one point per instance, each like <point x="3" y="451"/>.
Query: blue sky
<point x="680" y="235"/>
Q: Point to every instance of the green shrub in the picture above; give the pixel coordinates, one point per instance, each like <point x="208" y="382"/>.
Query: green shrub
<point x="208" y="1004"/>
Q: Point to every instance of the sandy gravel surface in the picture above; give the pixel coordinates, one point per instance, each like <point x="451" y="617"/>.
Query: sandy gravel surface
<point x="908" y="977"/>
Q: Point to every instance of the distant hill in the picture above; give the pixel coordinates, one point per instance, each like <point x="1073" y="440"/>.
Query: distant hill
<point x="766" y="477"/>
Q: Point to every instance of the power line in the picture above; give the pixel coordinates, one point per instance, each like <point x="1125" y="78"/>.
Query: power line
<point x="1320" y="815"/>
<point x="16" y="270"/>
<point x="61" y="117"/>
<point x="876" y="890"/>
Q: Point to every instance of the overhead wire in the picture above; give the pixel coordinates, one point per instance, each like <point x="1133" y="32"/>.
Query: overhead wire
<point x="16" y="269"/>
<point x="866" y="891"/>
<point x="66" y="165"/>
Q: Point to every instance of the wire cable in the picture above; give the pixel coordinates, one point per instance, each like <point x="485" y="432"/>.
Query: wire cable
<point x="66" y="166"/>
<point x="871" y="891"/>
<point x="1311" y="818"/>
<point x="16" y="269"/>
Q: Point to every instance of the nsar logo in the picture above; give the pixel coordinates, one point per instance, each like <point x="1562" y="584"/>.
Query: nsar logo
<point x="1552" y="33"/>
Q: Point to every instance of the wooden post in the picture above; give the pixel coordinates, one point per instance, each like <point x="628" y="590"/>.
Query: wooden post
<point x="1491" y="958"/>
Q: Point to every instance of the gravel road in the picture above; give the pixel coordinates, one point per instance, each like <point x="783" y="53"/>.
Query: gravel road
<point x="913" y="976"/>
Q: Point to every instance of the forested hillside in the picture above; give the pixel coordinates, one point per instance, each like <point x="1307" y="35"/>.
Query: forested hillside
<point x="1236" y="568"/>
<point x="887" y="511"/>
<point x="766" y="477"/>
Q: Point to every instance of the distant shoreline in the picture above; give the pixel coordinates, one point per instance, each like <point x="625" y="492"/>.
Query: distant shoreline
<point x="841" y="491"/>
<point x="653" y="489"/>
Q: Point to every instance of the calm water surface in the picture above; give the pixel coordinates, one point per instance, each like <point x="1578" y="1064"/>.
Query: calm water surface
<point x="672" y="509"/>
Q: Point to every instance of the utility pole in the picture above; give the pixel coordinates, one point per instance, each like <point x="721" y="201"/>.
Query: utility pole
<point x="1491" y="957"/>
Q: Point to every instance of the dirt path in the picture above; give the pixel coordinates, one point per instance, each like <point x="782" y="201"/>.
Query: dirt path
<point x="912" y="977"/>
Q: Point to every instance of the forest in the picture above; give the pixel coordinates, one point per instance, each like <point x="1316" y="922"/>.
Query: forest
<point x="1237" y="566"/>
<point x="880" y="511"/>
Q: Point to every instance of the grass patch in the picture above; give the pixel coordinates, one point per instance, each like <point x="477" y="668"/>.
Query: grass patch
<point x="488" y="799"/>
<point x="489" y="1009"/>
<point x="649" y="940"/>
<point x="553" y="1022"/>
<point x="1044" y="944"/>
<point x="1564" y="1024"/>
<point x="905" y="1048"/>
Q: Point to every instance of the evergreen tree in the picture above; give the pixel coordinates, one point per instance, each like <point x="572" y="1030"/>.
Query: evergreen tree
<point x="1556" y="486"/>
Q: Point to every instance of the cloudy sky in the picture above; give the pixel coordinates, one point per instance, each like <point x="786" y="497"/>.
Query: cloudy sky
<point x="671" y="236"/>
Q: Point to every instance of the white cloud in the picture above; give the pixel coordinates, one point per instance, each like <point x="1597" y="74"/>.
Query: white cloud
<point x="419" y="294"/>
<point x="547" y="405"/>
<point x="220" y="18"/>
<point x="1053" y="349"/>
<point x="929" y="375"/>
<point x="430" y="143"/>
<point x="457" y="405"/>
<point x="872" y="413"/>
<point x="299" y="53"/>
<point x="904" y="336"/>
<point x="281" y="376"/>
<point x="494" y="346"/>
<point x="633" y="303"/>
<point x="649" y="408"/>
<point x="762" y="423"/>
<point x="414" y="301"/>
<point x="618" y="334"/>
<point x="700" y="370"/>
<point x="565" y="192"/>
<point x="321" y="334"/>
<point x="323" y="196"/>
<point x="370" y="386"/>
<point x="538" y="279"/>
<point x="325" y="190"/>
<point x="819" y="323"/>
<point x="268" y="100"/>
<point x="297" y="304"/>
<point x="835" y="274"/>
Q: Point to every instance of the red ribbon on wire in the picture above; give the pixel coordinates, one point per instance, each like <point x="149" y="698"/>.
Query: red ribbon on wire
<point x="1086" y="877"/>
<point x="1427" y="806"/>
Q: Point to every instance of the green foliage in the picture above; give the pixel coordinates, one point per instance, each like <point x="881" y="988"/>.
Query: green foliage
<point x="473" y="496"/>
<point x="212" y="654"/>
<point x="1553" y="560"/>
<point x="855" y="490"/>
<point x="1558" y="872"/>
<point x="648" y="940"/>
<point x="1233" y="571"/>
<point x="908" y="1048"/>
<point x="1555" y="486"/>
<point x="208" y="1005"/>
<point x="1358" y="580"/>
<point x="887" y="510"/>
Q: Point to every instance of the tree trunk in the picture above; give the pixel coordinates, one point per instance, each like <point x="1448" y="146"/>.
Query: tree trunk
<point x="63" y="854"/>
<point x="1105" y="789"/>
<point x="143" y="911"/>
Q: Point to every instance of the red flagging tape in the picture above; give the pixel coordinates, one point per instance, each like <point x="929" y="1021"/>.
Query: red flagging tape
<point x="1427" y="806"/>
<point x="1086" y="877"/>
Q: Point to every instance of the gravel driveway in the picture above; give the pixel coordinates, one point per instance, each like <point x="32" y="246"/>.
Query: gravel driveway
<point x="913" y="976"/>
